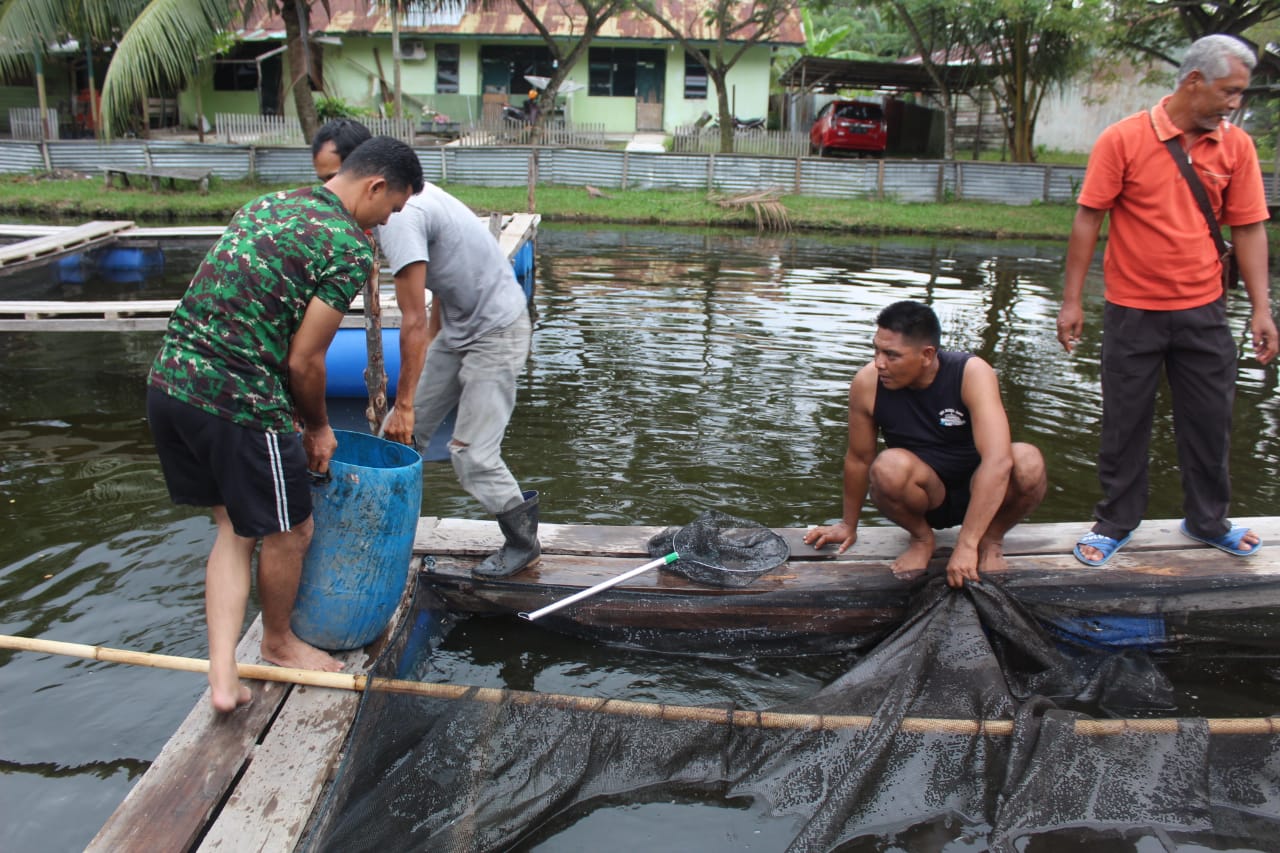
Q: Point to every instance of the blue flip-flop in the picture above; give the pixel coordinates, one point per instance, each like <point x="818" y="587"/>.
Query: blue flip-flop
<point x="1105" y="544"/>
<point x="1229" y="541"/>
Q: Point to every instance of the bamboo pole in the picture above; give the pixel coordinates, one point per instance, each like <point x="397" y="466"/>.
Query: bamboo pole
<point x="625" y="708"/>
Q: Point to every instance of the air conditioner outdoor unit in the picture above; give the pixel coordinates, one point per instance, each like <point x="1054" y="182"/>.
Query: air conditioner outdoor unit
<point x="413" y="50"/>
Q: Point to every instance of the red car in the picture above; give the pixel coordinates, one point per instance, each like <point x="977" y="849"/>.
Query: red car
<point x="843" y="126"/>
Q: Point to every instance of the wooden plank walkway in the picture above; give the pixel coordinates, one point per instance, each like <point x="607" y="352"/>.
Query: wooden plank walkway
<point x="47" y="247"/>
<point x="473" y="538"/>
<point x="145" y="315"/>
<point x="247" y="780"/>
<point x="252" y="780"/>
<point x="140" y="315"/>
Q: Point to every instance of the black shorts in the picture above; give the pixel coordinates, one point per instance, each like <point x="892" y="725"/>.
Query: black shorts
<point x="260" y="477"/>
<point x="955" y="503"/>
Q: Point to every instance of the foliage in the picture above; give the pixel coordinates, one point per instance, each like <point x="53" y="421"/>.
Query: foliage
<point x="566" y="53"/>
<point x="732" y="27"/>
<point x="154" y="45"/>
<point x="1155" y="29"/>
<point x="328" y="108"/>
<point x="1036" y="47"/>
<point x="30" y="26"/>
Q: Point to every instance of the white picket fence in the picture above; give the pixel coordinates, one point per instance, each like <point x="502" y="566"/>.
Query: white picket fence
<point x="242" y="128"/>
<point x="692" y="139"/>
<point x="401" y="128"/>
<point x="498" y="131"/>
<point x="24" y="123"/>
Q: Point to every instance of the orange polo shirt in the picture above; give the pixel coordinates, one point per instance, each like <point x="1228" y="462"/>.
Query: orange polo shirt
<point x="1160" y="255"/>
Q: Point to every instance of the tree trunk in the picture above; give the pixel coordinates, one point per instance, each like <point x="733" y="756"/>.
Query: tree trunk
<point x="718" y="77"/>
<point x="398" y="100"/>
<point x="299" y="56"/>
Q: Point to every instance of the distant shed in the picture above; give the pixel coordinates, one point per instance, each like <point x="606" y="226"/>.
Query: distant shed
<point x="914" y="128"/>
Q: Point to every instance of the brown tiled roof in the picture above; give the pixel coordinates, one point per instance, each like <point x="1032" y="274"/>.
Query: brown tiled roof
<point x="503" y="18"/>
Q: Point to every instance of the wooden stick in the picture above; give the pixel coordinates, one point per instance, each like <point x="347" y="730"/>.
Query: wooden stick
<point x="375" y="372"/>
<point x="625" y="708"/>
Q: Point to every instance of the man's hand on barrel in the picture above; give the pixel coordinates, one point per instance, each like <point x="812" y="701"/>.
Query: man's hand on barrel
<point x="398" y="425"/>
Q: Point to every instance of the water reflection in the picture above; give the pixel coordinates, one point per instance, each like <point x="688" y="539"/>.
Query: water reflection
<point x="672" y="372"/>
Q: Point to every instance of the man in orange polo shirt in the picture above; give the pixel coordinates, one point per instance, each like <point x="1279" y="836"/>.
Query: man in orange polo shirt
<point x="1165" y="299"/>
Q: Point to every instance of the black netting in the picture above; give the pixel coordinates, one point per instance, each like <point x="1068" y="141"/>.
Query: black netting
<point x="717" y="549"/>
<point x="969" y="719"/>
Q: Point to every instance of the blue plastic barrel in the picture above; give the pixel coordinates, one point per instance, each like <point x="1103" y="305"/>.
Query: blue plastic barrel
<point x="348" y="356"/>
<point x="365" y="519"/>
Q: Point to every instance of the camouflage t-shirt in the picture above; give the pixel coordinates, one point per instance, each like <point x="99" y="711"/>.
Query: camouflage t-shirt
<point x="227" y="342"/>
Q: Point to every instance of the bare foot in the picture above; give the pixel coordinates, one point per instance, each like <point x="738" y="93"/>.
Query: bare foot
<point x="991" y="557"/>
<point x="916" y="557"/>
<point x="226" y="691"/>
<point x="289" y="651"/>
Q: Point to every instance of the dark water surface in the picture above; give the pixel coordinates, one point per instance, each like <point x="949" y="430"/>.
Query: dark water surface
<point x="672" y="372"/>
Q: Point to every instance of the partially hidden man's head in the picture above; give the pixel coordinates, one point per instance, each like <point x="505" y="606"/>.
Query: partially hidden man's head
<point x="376" y="179"/>
<point x="906" y="344"/>
<point x="333" y="143"/>
<point x="1213" y="76"/>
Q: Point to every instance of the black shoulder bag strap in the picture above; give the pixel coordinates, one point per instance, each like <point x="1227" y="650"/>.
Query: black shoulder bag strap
<point x="1197" y="189"/>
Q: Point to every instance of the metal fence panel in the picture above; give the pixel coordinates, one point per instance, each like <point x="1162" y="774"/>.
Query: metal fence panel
<point x="667" y="171"/>
<point x="231" y="162"/>
<point x="433" y="162"/>
<point x="839" y="178"/>
<point x="742" y="173"/>
<point x="913" y="180"/>
<point x="280" y="165"/>
<point x="489" y="167"/>
<point x="91" y="156"/>
<point x="1007" y="183"/>
<point x="903" y="180"/>
<point x="577" y="167"/>
<point x="21" y="157"/>
<point x="1064" y="183"/>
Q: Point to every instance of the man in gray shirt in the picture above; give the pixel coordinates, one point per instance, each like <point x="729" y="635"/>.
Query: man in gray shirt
<point x="467" y="353"/>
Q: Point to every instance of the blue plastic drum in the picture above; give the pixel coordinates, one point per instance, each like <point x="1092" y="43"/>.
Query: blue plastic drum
<point x="365" y="518"/>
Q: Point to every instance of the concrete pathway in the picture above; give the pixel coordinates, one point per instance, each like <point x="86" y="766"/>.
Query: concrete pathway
<point x="648" y="142"/>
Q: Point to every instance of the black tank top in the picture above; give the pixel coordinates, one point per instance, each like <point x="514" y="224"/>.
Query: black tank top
<point x="933" y="423"/>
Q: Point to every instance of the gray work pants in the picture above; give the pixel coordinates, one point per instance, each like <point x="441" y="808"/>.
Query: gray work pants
<point x="480" y="379"/>
<point x="1198" y="355"/>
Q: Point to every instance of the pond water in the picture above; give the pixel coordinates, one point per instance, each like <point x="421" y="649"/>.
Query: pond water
<point x="672" y="372"/>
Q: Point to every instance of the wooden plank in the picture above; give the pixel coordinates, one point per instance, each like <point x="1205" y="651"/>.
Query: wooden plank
<point x="49" y="246"/>
<point x="153" y="314"/>
<point x="23" y="230"/>
<point x="517" y="231"/>
<point x="272" y="803"/>
<point x="168" y="808"/>
<point x="465" y="537"/>
<point x="1190" y="564"/>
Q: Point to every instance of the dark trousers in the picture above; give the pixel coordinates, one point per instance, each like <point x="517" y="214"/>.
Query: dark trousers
<point x="1198" y="355"/>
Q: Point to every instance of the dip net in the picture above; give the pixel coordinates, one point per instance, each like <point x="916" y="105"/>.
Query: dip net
<point x="718" y="549"/>
<point x="969" y="717"/>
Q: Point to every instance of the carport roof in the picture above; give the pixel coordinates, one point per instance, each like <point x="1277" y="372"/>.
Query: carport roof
<point x="814" y="72"/>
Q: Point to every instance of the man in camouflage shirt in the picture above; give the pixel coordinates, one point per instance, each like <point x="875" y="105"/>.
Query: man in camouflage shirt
<point x="235" y="397"/>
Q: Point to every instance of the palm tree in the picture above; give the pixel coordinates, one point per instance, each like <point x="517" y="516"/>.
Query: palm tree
<point x="30" y="28"/>
<point x="169" y="39"/>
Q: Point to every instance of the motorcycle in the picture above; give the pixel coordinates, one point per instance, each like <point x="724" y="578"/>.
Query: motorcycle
<point x="519" y="115"/>
<point x="739" y="125"/>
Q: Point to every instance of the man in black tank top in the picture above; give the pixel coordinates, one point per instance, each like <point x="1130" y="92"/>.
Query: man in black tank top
<point x="948" y="457"/>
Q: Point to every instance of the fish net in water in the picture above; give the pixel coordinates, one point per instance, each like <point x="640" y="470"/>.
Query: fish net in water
<point x="970" y="721"/>
<point x="718" y="549"/>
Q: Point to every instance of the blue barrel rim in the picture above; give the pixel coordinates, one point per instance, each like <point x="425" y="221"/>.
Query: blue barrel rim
<point x="411" y="456"/>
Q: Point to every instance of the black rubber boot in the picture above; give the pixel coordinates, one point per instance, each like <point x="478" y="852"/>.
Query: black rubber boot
<point x="521" y="550"/>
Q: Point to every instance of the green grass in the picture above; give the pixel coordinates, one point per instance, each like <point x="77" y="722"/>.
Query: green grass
<point x="78" y="199"/>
